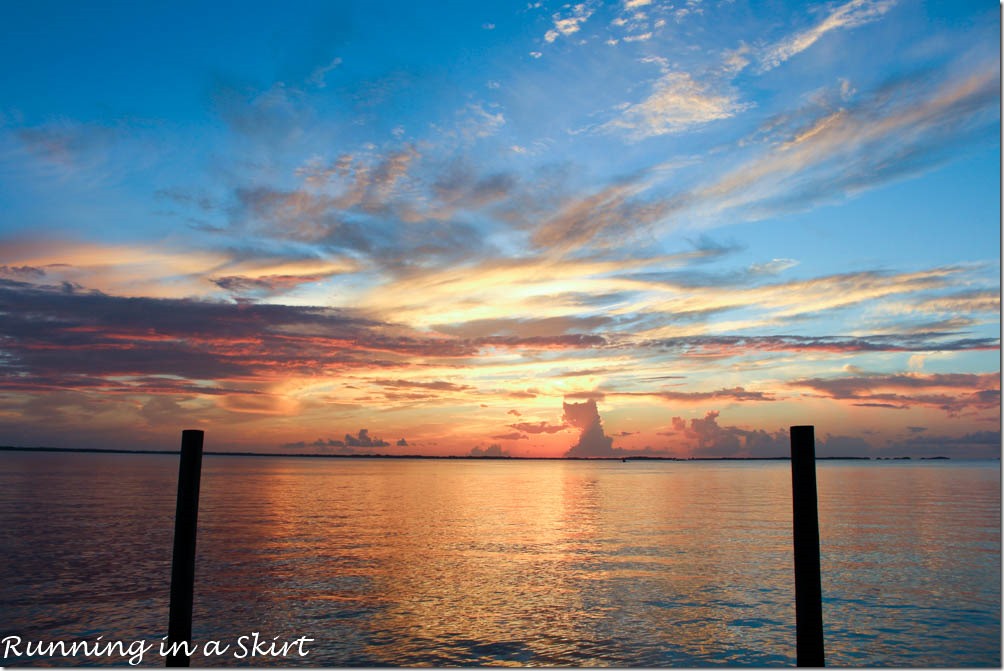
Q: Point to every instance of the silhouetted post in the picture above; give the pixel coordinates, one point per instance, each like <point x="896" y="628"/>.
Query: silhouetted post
<point x="186" y="520"/>
<point x="808" y="587"/>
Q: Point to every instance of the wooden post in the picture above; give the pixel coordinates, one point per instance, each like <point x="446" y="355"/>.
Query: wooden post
<point x="179" y="630"/>
<point x="808" y="587"/>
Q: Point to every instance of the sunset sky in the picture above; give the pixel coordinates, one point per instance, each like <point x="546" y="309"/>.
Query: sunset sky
<point x="607" y="228"/>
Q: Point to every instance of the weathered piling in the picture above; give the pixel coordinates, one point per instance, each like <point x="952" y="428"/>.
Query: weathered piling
<point x="179" y="630"/>
<point x="808" y="586"/>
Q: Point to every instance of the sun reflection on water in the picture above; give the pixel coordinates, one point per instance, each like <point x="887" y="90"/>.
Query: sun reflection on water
<point x="554" y="563"/>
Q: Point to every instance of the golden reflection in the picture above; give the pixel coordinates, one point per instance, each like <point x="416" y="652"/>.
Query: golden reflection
<point x="568" y="563"/>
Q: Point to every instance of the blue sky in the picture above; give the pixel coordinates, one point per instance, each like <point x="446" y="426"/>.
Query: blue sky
<point x="522" y="209"/>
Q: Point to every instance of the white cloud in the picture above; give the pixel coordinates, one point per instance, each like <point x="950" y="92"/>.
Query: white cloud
<point x="569" y="25"/>
<point x="677" y="103"/>
<point x="735" y="60"/>
<point x="848" y="15"/>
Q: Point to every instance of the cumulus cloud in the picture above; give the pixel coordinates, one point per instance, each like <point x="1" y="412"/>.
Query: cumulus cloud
<point x="493" y="450"/>
<point x="593" y="442"/>
<point x="363" y="439"/>
<point x="569" y="23"/>
<point x="705" y="437"/>
<point x="347" y="445"/>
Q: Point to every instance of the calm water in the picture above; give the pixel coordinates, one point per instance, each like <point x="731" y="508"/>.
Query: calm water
<point x="547" y="563"/>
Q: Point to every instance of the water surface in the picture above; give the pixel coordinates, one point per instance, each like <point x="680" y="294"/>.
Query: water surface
<point x="542" y="563"/>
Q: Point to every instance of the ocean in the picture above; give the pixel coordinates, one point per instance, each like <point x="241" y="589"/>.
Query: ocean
<point x="411" y="562"/>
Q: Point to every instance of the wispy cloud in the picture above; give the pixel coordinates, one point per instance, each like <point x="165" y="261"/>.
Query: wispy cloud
<point x="319" y="75"/>
<point x="848" y="15"/>
<point x="898" y="130"/>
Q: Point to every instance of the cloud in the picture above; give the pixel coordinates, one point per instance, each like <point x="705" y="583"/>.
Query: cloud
<point x="363" y="439"/>
<point x="318" y="76"/>
<point x="67" y="148"/>
<point x="593" y="442"/>
<point x="267" y="285"/>
<point x="973" y="445"/>
<point x="706" y="438"/>
<point x="848" y="15"/>
<point x="275" y="118"/>
<point x="66" y="338"/>
<point x="607" y="216"/>
<point x="475" y="122"/>
<point x="460" y="187"/>
<point x="511" y="436"/>
<point x="351" y="444"/>
<point x="493" y="450"/>
<point x="21" y="273"/>
<point x="677" y="103"/>
<point x="570" y="341"/>
<point x="965" y="302"/>
<point x="438" y="385"/>
<point x="900" y="129"/>
<point x="570" y="23"/>
<point x="738" y="394"/>
<point x="714" y="346"/>
<point x="368" y="212"/>
<point x="796" y="298"/>
<point x="539" y="427"/>
<point x="954" y="393"/>
<point x="592" y="395"/>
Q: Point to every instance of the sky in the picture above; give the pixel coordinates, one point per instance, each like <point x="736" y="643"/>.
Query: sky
<point x="502" y="228"/>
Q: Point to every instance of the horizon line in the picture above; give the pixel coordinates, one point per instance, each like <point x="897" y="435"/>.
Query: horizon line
<point x="312" y="455"/>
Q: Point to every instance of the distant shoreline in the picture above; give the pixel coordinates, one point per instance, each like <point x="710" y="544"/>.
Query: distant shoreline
<point x="306" y="455"/>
